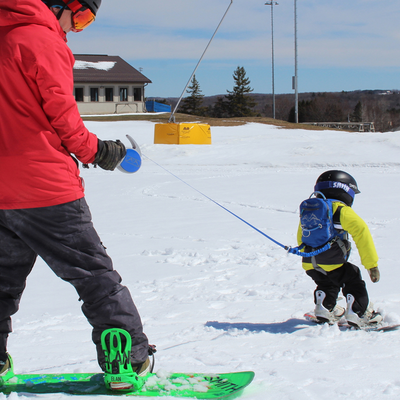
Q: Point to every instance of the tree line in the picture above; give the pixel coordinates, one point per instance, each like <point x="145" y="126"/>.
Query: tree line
<point x="380" y="107"/>
<point x="236" y="103"/>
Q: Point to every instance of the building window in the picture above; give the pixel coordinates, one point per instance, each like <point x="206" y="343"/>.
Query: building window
<point x="109" y="94"/>
<point x="94" y="94"/>
<point x="123" y="94"/>
<point x="78" y="94"/>
<point x="137" y="94"/>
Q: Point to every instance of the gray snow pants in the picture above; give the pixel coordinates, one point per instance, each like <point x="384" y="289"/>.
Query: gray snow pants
<point x="64" y="237"/>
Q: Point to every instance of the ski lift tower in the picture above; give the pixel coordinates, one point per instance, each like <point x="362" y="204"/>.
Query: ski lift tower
<point x="272" y="3"/>
<point x="295" y="81"/>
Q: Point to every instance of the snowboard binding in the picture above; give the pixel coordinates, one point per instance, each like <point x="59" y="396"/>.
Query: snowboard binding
<point x="118" y="375"/>
<point x="6" y="370"/>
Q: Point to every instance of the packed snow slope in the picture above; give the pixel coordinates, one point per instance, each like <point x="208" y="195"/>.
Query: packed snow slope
<point x="214" y="294"/>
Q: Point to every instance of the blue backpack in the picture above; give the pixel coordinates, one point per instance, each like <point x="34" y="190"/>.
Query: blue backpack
<point x="316" y="219"/>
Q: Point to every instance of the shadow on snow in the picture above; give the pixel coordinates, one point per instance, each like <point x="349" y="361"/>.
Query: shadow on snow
<point x="289" y="326"/>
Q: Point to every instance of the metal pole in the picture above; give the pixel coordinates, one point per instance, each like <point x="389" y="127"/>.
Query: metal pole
<point x="272" y="3"/>
<point x="172" y="117"/>
<point x="296" y="107"/>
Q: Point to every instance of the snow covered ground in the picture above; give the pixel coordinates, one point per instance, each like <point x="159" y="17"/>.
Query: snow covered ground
<point x="214" y="294"/>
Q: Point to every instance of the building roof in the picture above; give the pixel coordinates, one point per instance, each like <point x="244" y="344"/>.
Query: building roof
<point x="103" y="68"/>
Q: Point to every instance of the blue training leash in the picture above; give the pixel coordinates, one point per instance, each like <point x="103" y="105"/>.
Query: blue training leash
<point x="293" y="250"/>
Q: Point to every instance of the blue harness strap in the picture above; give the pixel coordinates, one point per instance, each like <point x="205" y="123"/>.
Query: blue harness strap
<point x="294" y="250"/>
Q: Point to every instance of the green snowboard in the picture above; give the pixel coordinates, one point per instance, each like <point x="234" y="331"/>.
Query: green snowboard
<point x="200" y="386"/>
<point x="116" y="344"/>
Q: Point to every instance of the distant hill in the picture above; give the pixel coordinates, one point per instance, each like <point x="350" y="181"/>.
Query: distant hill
<point x="379" y="106"/>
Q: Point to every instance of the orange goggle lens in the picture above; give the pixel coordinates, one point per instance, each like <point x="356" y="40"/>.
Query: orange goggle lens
<point x="82" y="19"/>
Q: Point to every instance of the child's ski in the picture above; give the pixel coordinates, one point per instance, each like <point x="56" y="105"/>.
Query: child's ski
<point x="342" y="323"/>
<point x="310" y="316"/>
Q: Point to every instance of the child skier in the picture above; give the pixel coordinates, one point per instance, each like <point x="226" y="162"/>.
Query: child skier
<point x="330" y="269"/>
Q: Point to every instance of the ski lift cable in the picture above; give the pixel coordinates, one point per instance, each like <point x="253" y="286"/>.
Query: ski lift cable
<point x="172" y="116"/>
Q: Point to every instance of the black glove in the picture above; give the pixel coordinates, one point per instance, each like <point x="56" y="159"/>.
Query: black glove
<point x="109" y="154"/>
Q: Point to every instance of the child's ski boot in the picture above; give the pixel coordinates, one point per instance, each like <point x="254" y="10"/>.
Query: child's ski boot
<point x="370" y="318"/>
<point x="322" y="314"/>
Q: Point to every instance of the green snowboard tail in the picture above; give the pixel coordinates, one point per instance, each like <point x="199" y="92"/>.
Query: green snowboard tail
<point x="200" y="386"/>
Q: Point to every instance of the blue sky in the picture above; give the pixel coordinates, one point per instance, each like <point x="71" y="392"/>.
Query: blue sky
<point x="342" y="45"/>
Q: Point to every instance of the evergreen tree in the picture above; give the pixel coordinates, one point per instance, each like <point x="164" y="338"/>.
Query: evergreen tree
<point x="317" y="110"/>
<point x="238" y="102"/>
<point x="307" y="111"/>
<point x="357" y="113"/>
<point x="193" y="103"/>
<point x="220" y="109"/>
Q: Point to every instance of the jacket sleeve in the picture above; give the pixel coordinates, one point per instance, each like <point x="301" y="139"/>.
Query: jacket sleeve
<point x="299" y="234"/>
<point x="361" y="235"/>
<point x="55" y="83"/>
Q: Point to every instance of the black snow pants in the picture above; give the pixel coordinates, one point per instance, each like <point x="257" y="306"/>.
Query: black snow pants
<point x="348" y="278"/>
<point x="64" y="237"/>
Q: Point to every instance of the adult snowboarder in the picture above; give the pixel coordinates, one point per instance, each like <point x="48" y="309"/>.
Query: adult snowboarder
<point x="331" y="270"/>
<point x="42" y="206"/>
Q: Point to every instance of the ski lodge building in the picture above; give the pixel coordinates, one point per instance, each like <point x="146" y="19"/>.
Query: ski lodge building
<point x="108" y="85"/>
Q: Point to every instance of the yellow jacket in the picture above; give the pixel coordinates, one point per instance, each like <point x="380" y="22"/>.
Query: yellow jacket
<point x="358" y="229"/>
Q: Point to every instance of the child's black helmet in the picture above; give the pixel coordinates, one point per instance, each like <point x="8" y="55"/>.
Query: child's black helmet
<point x="338" y="185"/>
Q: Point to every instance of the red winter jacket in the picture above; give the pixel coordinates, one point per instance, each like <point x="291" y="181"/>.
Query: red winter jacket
<point x="40" y="126"/>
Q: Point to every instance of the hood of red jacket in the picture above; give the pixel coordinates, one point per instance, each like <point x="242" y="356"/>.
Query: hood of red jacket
<point x="19" y="12"/>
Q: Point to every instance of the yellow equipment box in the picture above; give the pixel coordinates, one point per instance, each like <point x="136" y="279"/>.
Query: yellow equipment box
<point x="172" y="133"/>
